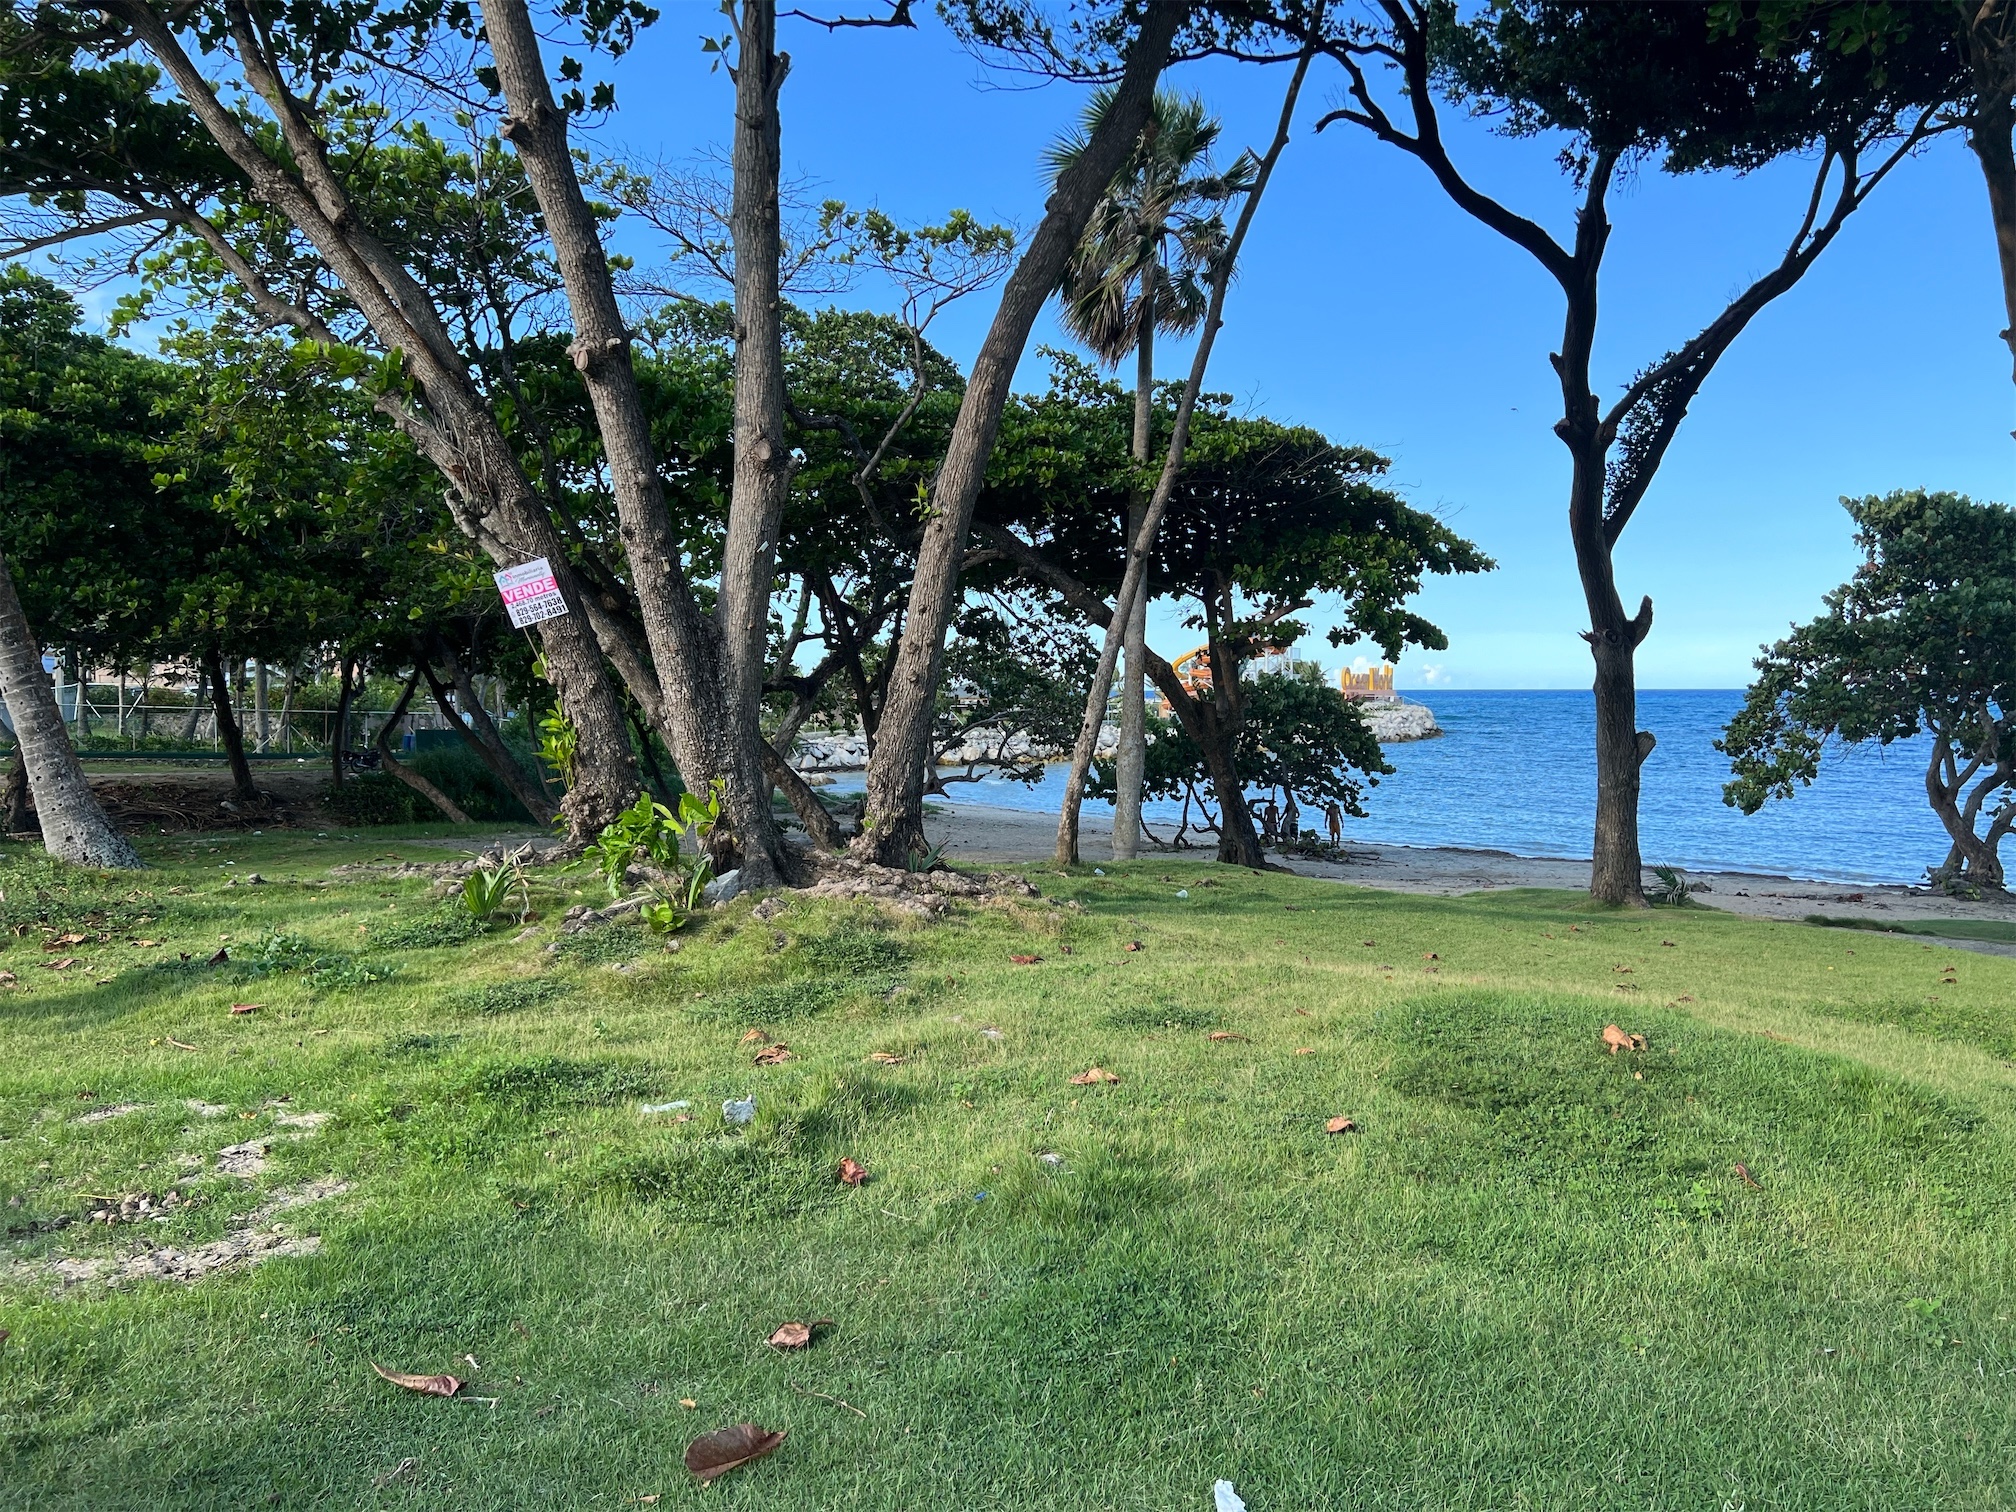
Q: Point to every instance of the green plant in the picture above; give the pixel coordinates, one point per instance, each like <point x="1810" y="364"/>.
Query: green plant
<point x="489" y="889"/>
<point x="558" y="741"/>
<point x="1673" y="889"/>
<point x="924" y="860"/>
<point x="648" y="833"/>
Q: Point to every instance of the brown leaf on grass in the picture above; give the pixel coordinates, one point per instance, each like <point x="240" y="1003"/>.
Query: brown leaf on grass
<point x="1666" y="942"/>
<point x="1617" y="1039"/>
<point x="1224" y="1034"/>
<point x="178" y="1044"/>
<point x="886" y="1058"/>
<point x="61" y="941"/>
<point x="63" y="965"/>
<point x="238" y="1009"/>
<point x="1429" y="955"/>
<point x="688" y="1403"/>
<point x="1305" y="1049"/>
<point x="1685" y="997"/>
<point x="1304" y="1013"/>
<point x="1340" y="1125"/>
<point x="1625" y="969"/>
<point x="774" y="1055"/>
<point x="1093" y="1077"/>
<point x="852" y="1172"/>
<point x="427" y="1385"/>
<point x="1131" y="946"/>
<point x="1749" y="1180"/>
<point x="755" y="1037"/>
<point x="796" y="1335"/>
<point x="1025" y="960"/>
<point x="144" y="944"/>
<point x="221" y="957"/>
<point x="726" y="1449"/>
<point x="8" y="979"/>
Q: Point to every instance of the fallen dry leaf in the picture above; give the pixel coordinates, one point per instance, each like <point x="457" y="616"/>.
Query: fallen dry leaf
<point x="1305" y="1049"/>
<point x="1224" y="1034"/>
<point x="852" y="1172"/>
<point x="63" y="965"/>
<point x="243" y="1008"/>
<point x="796" y="1335"/>
<point x="221" y="957"/>
<point x="1665" y="942"/>
<point x="688" y="1403"/>
<point x="1340" y="1125"/>
<point x="1093" y="1077"/>
<point x="886" y="1058"/>
<point x="427" y="1385"/>
<point x="725" y="1449"/>
<point x="144" y="944"/>
<point x="1304" y="1013"/>
<point x="1131" y="946"/>
<point x="646" y="1501"/>
<point x="7" y="979"/>
<point x="755" y="1037"/>
<point x="178" y="1044"/>
<point x="1025" y="960"/>
<point x="1685" y="997"/>
<point x="63" y="940"/>
<point x="1744" y="1171"/>
<point x="774" y="1055"/>
<point x="1625" y="969"/>
<point x="1429" y="955"/>
<point x="1617" y="1039"/>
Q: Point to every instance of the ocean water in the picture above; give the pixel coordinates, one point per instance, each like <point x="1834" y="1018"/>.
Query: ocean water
<point x="1515" y="771"/>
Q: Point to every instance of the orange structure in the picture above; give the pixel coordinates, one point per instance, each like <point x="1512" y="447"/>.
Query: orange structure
<point x="1376" y="682"/>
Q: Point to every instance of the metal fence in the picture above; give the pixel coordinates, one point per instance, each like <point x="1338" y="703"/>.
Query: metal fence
<point x="194" y="727"/>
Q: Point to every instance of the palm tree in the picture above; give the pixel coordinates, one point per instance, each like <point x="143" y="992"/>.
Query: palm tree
<point x="1143" y="266"/>
<point x="74" y="827"/>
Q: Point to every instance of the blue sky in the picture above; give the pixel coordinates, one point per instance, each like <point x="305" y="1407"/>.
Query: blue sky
<point x="1370" y="307"/>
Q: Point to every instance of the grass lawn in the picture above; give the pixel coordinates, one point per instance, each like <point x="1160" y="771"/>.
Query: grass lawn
<point x="1534" y="1277"/>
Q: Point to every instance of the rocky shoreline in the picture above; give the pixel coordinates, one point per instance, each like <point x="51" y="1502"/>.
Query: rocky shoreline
<point x="839" y="751"/>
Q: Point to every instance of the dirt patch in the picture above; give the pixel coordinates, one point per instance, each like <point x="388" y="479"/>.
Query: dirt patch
<point x="258" y="1239"/>
<point x="927" y="893"/>
<point x="115" y="1110"/>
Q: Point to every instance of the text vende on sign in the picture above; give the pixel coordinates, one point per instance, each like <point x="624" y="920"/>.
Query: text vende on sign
<point x="530" y="593"/>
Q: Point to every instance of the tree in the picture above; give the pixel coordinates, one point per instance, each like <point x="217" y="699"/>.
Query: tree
<point x="1922" y="640"/>
<point x="1265" y="522"/>
<point x="276" y="205"/>
<point x="1142" y="267"/>
<point x="70" y="407"/>
<point x="1692" y="86"/>
<point x="894" y="827"/>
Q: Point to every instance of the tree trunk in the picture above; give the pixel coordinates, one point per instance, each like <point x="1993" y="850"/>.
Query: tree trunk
<point x="14" y="792"/>
<point x="704" y="727"/>
<point x="472" y="723"/>
<point x="195" y="720"/>
<point x="339" y="739"/>
<point x="227" y="727"/>
<point x="895" y="823"/>
<point x="287" y="692"/>
<point x="262" y="718"/>
<point x="1134" y="582"/>
<point x="396" y="768"/>
<point x="74" y="827"/>
<point x="1132" y="757"/>
<point x="444" y="414"/>
<point x="1990" y="130"/>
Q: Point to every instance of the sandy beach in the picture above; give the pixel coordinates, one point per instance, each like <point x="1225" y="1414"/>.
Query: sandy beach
<point x="977" y="834"/>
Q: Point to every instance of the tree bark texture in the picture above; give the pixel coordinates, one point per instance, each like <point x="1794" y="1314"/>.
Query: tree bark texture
<point x="14" y="793"/>
<point x="228" y="730"/>
<point x="1134" y="581"/>
<point x="709" y="724"/>
<point x="472" y="723"/>
<point x="1990" y="128"/>
<point x="1132" y="757"/>
<point x="74" y="826"/>
<point x="492" y="500"/>
<point x="396" y="768"/>
<point x="894" y="827"/>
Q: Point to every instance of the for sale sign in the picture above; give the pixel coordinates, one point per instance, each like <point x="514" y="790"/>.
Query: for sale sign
<point x="530" y="594"/>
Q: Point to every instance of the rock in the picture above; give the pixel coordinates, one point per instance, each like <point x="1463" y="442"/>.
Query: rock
<point x="1392" y="721"/>
<point x="723" y="888"/>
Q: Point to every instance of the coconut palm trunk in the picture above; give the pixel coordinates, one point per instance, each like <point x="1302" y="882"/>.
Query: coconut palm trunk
<point x="74" y="827"/>
<point x="1131" y="760"/>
